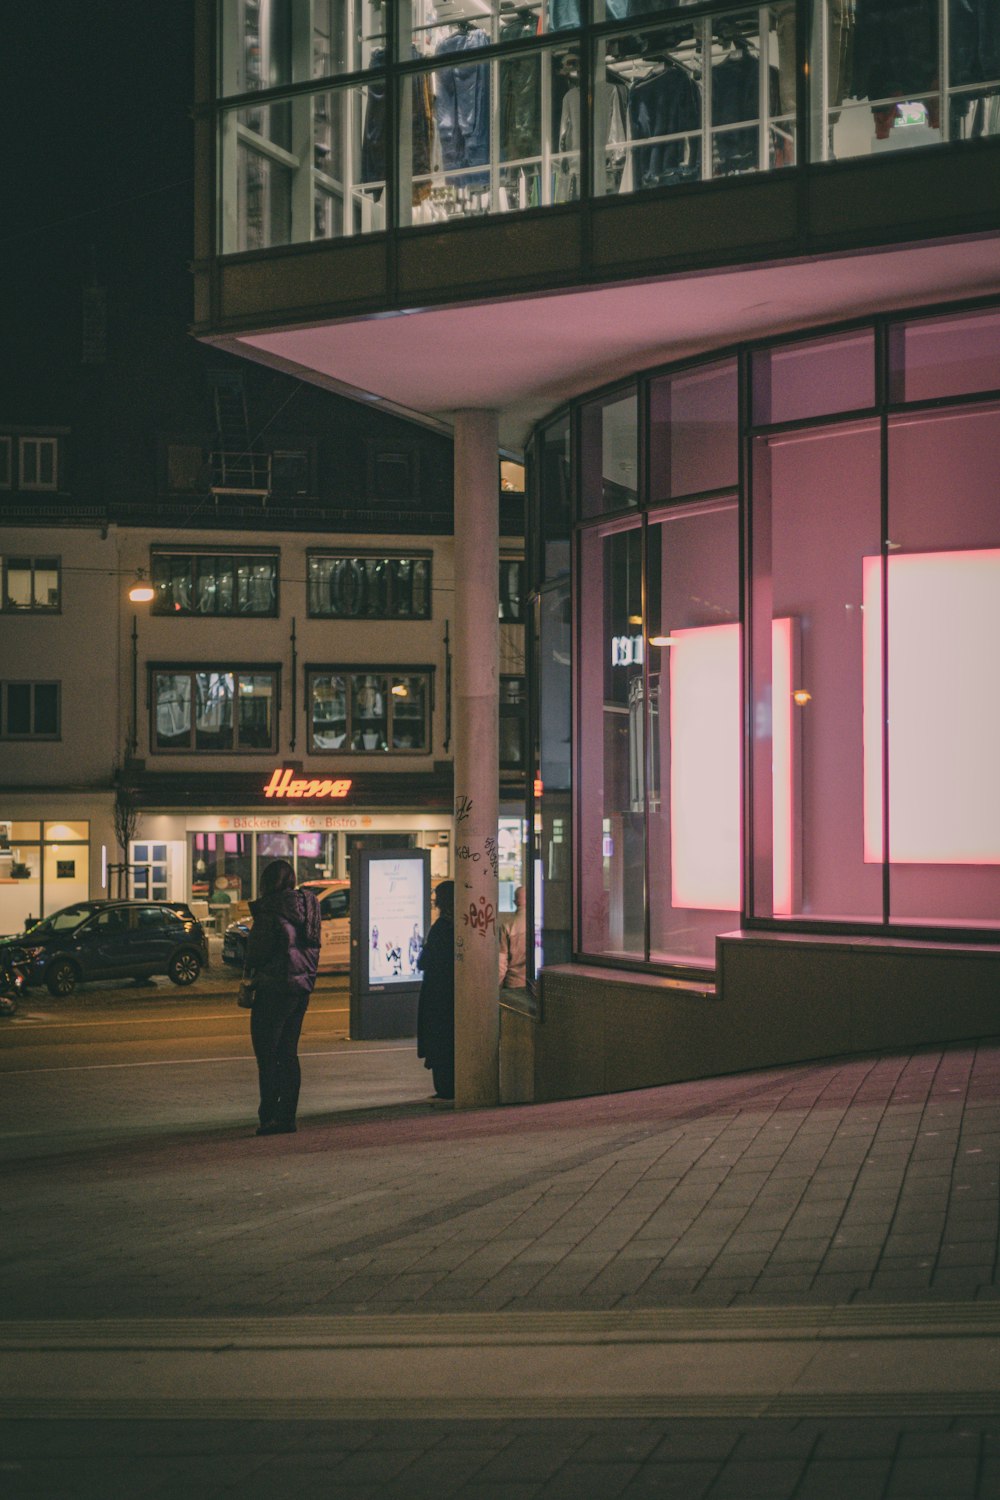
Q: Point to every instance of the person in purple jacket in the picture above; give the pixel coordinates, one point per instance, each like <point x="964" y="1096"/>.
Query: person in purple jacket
<point x="282" y="957"/>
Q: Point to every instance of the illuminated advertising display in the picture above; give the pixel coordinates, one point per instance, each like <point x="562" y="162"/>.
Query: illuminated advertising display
<point x="396" y="902"/>
<point x="390" y="917"/>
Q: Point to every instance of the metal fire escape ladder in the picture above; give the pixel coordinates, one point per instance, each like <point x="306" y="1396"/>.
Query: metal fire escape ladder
<point x="236" y="470"/>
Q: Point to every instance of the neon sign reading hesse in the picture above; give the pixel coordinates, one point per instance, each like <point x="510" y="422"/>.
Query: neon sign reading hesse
<point x="285" y="783"/>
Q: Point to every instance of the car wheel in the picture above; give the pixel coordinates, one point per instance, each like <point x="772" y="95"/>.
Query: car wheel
<point x="184" y="967"/>
<point x="61" y="977"/>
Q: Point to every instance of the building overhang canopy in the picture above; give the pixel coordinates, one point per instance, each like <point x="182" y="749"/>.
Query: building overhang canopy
<point x="524" y="356"/>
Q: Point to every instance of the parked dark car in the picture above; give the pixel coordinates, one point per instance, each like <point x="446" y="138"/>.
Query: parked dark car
<point x="112" y="940"/>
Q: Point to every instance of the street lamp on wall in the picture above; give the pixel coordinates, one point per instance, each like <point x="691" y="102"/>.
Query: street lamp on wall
<point x="141" y="592"/>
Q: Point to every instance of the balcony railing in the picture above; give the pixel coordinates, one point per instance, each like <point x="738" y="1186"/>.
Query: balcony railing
<point x="234" y="474"/>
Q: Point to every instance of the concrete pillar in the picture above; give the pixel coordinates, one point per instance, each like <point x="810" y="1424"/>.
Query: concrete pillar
<point x="477" y="757"/>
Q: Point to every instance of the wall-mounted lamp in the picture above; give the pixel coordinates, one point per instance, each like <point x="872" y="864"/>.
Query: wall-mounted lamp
<point x="142" y="590"/>
<point x="802" y="696"/>
<point x="400" y="690"/>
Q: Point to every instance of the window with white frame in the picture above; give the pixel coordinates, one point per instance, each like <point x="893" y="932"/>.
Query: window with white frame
<point x="214" y="708"/>
<point x="29" y="710"/>
<point x="39" y="463"/>
<point x="31" y="584"/>
<point x="360" y="712"/>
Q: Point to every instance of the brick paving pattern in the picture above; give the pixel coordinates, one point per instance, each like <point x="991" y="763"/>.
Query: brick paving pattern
<point x="864" y="1181"/>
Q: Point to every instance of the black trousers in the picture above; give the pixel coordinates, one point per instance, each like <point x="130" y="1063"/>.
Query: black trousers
<point x="443" y="1074"/>
<point x="275" y="1025"/>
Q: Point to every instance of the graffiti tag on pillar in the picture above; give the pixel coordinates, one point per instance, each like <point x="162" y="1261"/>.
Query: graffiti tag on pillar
<point x="465" y="852"/>
<point x="493" y="855"/>
<point x="463" y="807"/>
<point x="480" y="918"/>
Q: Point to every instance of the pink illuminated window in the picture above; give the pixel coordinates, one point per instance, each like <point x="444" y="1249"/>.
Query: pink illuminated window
<point x="705" y="766"/>
<point x="943" y="708"/>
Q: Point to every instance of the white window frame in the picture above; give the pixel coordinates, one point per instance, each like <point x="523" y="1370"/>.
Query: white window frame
<point x="40" y="445"/>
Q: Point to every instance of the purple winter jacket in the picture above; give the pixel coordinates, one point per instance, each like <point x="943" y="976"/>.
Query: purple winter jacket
<point x="283" y="946"/>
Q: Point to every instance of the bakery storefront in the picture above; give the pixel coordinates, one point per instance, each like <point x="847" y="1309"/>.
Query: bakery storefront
<point x="206" y="838"/>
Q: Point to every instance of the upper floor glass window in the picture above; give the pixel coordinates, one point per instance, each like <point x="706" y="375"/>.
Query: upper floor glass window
<point x="659" y="122"/>
<point x="31" y="584"/>
<point x="481" y="135"/>
<point x="308" y="168"/>
<point x="348" y="587"/>
<point x="429" y="27"/>
<point x="208" y="708"/>
<point x="39" y="463"/>
<point x="209" y="583"/>
<point x="363" y="712"/>
<point x="890" y="75"/>
<point x="266" y="44"/>
<point x="491" y="115"/>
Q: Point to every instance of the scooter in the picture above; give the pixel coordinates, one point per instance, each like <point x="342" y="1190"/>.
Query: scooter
<point x="13" y="970"/>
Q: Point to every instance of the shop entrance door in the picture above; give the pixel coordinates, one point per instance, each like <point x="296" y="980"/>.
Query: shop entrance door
<point x="156" y="870"/>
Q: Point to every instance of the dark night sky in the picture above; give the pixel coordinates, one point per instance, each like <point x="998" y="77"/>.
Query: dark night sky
<point x="96" y="188"/>
<point x="98" y="165"/>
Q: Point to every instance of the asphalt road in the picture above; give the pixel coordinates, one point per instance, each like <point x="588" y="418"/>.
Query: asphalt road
<point x="120" y="1062"/>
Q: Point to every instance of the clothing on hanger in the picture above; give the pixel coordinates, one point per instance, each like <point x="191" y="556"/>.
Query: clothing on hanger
<point x="520" y="94"/>
<point x="462" y="108"/>
<point x="895" y="48"/>
<point x="611" y="126"/>
<point x="373" y="129"/>
<point x="736" y="97"/>
<point x="665" y="103"/>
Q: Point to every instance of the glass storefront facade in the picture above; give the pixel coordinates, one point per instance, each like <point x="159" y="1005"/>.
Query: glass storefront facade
<point x="344" y="117"/>
<point x="44" y="866"/>
<point x="777" y="708"/>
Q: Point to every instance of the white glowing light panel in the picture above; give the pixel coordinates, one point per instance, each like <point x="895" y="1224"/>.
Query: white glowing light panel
<point x="944" y="708"/>
<point x="705" y="767"/>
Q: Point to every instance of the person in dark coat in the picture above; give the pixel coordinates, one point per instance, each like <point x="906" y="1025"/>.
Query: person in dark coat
<point x="282" y="958"/>
<point x="436" y="1005"/>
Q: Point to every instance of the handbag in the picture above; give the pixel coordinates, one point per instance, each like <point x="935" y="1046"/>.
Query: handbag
<point x="247" y="992"/>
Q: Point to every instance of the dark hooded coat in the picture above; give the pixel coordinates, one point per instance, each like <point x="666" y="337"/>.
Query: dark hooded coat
<point x="283" y="947"/>
<point x="436" y="1005"/>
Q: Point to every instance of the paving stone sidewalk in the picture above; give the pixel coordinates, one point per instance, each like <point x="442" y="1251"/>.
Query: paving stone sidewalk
<point x="863" y="1181"/>
<point x="873" y="1459"/>
<point x="858" y="1179"/>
